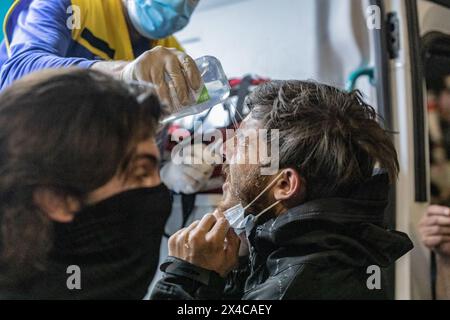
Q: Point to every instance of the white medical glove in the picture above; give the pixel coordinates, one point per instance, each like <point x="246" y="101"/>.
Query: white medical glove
<point x="188" y="178"/>
<point x="161" y="65"/>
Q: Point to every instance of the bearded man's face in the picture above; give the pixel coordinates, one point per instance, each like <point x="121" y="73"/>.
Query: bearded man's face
<point x="244" y="182"/>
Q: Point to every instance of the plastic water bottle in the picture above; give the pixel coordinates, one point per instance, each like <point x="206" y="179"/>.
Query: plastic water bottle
<point x="214" y="90"/>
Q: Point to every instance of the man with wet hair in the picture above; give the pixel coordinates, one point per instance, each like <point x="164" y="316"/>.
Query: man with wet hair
<point x="315" y="228"/>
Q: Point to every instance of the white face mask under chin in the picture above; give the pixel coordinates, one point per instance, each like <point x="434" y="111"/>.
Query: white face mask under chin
<point x="236" y="215"/>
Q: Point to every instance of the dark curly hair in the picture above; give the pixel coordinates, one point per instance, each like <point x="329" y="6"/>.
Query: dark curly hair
<point x="331" y="137"/>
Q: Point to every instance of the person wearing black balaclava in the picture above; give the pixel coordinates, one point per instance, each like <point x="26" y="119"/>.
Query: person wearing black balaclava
<point x="82" y="207"/>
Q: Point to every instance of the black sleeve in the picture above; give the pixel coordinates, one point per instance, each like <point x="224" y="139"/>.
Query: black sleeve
<point x="184" y="281"/>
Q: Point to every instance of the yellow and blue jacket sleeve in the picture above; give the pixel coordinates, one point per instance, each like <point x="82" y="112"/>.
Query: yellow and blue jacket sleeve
<point x="40" y="41"/>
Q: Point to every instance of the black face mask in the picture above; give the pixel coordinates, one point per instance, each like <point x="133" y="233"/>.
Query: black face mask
<point x="116" y="242"/>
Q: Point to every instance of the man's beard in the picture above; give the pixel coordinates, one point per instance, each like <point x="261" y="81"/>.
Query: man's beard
<point x="244" y="184"/>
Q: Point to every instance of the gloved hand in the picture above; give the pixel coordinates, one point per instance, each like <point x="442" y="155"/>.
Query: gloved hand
<point x="188" y="178"/>
<point x="162" y="64"/>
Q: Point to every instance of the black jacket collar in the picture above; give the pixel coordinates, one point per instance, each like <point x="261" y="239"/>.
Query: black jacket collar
<point x="349" y="230"/>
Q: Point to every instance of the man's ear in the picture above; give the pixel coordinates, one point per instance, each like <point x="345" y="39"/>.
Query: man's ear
<point x="289" y="187"/>
<point x="59" y="208"/>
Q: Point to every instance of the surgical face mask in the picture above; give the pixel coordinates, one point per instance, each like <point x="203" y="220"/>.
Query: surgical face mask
<point x="241" y="223"/>
<point x="157" y="19"/>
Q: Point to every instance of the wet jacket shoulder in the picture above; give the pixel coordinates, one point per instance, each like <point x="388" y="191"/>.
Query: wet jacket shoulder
<point x="323" y="249"/>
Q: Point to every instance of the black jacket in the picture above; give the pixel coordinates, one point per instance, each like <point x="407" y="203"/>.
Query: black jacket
<point x="319" y="250"/>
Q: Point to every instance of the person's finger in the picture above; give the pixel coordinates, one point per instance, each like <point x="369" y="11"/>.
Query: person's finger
<point x="187" y="178"/>
<point x="184" y="236"/>
<point x="438" y="210"/>
<point x="436" y="230"/>
<point x="205" y="224"/>
<point x="158" y="78"/>
<point x="218" y="214"/>
<point x="434" y="241"/>
<point x="233" y="245"/>
<point x="173" y="240"/>
<point x="177" y="234"/>
<point x="436" y="220"/>
<point x="192" y="226"/>
<point x="219" y="231"/>
<point x="197" y="151"/>
<point x="194" y="78"/>
<point x="175" y="72"/>
<point x="193" y="155"/>
<point x="198" y="173"/>
<point x="211" y="153"/>
<point x="163" y="93"/>
<point x="233" y="239"/>
<point x="139" y="74"/>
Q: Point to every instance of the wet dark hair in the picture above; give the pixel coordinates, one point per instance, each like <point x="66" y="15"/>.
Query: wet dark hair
<point x="331" y="137"/>
<point x="69" y="130"/>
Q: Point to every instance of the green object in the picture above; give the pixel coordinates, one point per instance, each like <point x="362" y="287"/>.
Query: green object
<point x="358" y="73"/>
<point x="204" y="96"/>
